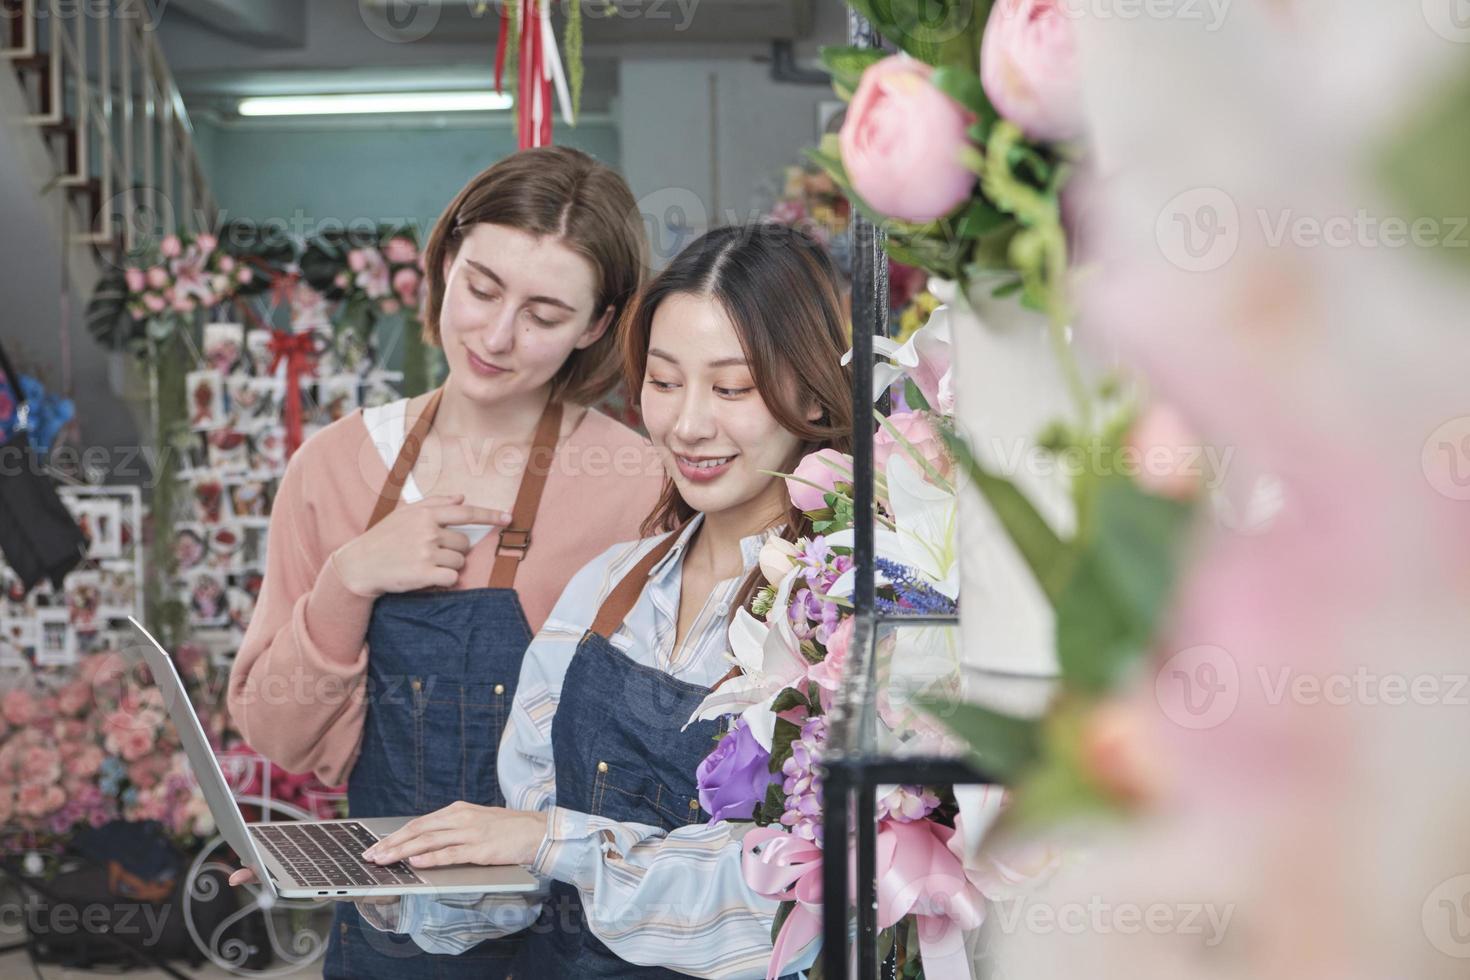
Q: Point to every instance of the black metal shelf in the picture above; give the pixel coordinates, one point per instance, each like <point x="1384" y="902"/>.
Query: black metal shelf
<point x="852" y="770"/>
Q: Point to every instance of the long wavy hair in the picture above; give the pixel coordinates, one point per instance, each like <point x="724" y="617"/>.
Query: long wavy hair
<point x="780" y="289"/>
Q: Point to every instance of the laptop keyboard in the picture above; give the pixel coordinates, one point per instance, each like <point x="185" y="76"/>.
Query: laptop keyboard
<point x="329" y="855"/>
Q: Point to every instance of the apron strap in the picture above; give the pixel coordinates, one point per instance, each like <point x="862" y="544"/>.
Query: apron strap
<point x="408" y="455"/>
<point x="515" y="540"/>
<point x="624" y="596"/>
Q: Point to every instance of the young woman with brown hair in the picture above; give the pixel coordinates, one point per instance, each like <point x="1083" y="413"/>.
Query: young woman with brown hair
<point x="735" y="351"/>
<point x="415" y="548"/>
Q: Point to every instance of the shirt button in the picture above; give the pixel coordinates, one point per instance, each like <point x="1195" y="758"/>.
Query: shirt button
<point x="499" y="688"/>
<point x="602" y="767"/>
<point x="723" y="609"/>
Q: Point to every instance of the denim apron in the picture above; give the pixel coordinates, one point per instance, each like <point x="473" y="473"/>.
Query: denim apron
<point x="441" y="674"/>
<point x="619" y="753"/>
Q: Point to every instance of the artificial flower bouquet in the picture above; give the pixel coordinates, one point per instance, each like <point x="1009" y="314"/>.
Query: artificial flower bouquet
<point x="169" y="283"/>
<point x="959" y="146"/>
<point x="792" y="646"/>
<point x="95" y="747"/>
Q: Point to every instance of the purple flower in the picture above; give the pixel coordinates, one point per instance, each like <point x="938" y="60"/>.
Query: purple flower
<point x="733" y="778"/>
<point x="907" y="804"/>
<point x="803" y="783"/>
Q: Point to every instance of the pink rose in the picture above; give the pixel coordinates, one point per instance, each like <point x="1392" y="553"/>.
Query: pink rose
<point x="171" y="246"/>
<point x="1028" y="67"/>
<point x="901" y="142"/>
<point x="137" y="281"/>
<point x="400" y="251"/>
<point x="85" y="762"/>
<point x="18" y="707"/>
<point x="226" y="263"/>
<point x="1166" y="454"/>
<point x="40" y="763"/>
<point x="155" y="303"/>
<point x="206" y="243"/>
<point x="246" y="274"/>
<point x="406" y="284"/>
<point x="916" y="428"/>
<point x="183" y="302"/>
<point x="157" y="277"/>
<point x="74" y="697"/>
<point x="818" y="468"/>
<point x="39" y="799"/>
<point x="341" y="280"/>
<point x="357" y="260"/>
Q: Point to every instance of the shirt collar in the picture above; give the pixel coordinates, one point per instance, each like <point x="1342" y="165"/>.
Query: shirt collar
<point x="750" y="547"/>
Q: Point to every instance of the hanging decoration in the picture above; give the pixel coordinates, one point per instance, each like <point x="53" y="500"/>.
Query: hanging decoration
<point x="527" y="46"/>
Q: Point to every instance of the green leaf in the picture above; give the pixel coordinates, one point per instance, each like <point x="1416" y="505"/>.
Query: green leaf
<point x="913" y="397"/>
<point x="963" y="85"/>
<point x="847" y="64"/>
<point x="1049" y="558"/>
<point x="786" y="733"/>
<point x="1423" y="170"/>
<point x="788" y="699"/>
<point x="1007" y="289"/>
<point x="1002" y="746"/>
<point x="1109" y="610"/>
<point x="979" y="218"/>
<point x="782" y="913"/>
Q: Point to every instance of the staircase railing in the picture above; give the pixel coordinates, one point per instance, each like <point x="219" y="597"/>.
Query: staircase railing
<point x="97" y="79"/>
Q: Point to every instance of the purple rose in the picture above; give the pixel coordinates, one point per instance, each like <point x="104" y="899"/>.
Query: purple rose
<point x="733" y="778"/>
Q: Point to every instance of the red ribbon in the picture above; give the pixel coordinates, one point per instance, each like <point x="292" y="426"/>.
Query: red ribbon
<point x="299" y="352"/>
<point x="501" y="43"/>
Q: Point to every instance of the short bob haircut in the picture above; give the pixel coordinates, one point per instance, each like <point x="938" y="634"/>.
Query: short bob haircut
<point x="564" y="193"/>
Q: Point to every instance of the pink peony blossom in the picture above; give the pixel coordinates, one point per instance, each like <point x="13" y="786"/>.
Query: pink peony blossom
<point x="171" y="246"/>
<point x="357" y="259"/>
<point x="1029" y="68"/>
<point x="828" y="674"/>
<point x="902" y="142"/>
<point x="919" y="431"/>
<point x="137" y="280"/>
<point x="1167" y="453"/>
<point x="246" y="274"/>
<point x="815" y="469"/>
<point x="157" y="277"/>
<point x="226" y="263"/>
<point x="207" y="243"/>
<point x="400" y="250"/>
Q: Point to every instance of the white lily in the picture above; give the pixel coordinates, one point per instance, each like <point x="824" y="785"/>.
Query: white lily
<point x="770" y="659"/>
<point x="924" y="538"/>
<point x="925" y="358"/>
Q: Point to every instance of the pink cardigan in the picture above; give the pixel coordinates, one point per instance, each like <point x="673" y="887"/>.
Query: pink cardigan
<point x="296" y="691"/>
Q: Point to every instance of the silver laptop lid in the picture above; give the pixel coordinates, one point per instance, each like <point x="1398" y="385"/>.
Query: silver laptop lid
<point x="222" y="805"/>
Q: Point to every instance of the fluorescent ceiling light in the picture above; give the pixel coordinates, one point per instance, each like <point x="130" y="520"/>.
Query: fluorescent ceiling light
<point x="375" y="102"/>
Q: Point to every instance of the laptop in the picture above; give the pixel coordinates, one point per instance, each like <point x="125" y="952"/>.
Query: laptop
<point x="318" y="858"/>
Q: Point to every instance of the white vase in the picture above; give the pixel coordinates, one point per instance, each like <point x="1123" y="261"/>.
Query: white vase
<point x="1008" y="388"/>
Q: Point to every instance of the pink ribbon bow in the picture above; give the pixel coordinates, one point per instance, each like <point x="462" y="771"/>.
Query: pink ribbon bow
<point x="920" y="873"/>
<point x="784" y="867"/>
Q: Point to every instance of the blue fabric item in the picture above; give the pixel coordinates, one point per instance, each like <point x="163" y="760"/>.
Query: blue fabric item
<point x="48" y="412"/>
<point x="619" y="754"/>
<point x="441" y="674"/>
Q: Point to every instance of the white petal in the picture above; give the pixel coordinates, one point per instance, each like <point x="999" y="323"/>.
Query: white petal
<point x="926" y="519"/>
<point x="747" y="640"/>
<point x="762" y="722"/>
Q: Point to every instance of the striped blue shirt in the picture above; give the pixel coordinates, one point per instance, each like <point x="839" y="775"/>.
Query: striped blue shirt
<point x="673" y="899"/>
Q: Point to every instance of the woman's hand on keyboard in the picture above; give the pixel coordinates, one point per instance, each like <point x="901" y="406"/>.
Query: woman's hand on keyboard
<point x="463" y="833"/>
